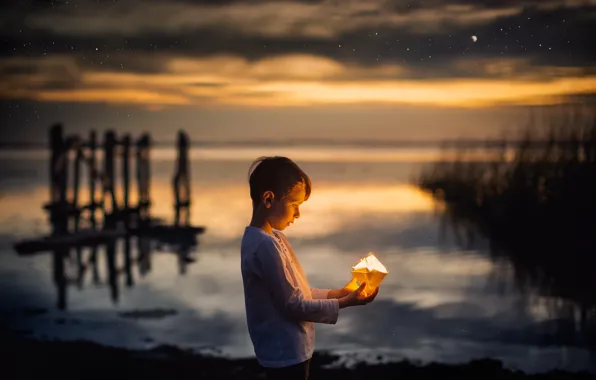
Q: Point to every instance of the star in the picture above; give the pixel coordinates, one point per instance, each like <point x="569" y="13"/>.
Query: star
<point x="474" y="38"/>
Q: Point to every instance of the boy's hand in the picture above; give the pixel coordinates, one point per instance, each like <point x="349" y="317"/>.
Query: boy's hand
<point x="357" y="297"/>
<point x="342" y="292"/>
<point x="349" y="288"/>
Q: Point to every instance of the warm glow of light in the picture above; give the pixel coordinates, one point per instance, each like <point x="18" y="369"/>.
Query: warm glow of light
<point x="370" y="271"/>
<point x="456" y="92"/>
<point x="115" y="96"/>
<point x="377" y="199"/>
<point x="296" y="80"/>
<point x="329" y="206"/>
<point x="329" y="154"/>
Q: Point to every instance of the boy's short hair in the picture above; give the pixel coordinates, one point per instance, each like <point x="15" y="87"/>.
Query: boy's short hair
<point x="277" y="174"/>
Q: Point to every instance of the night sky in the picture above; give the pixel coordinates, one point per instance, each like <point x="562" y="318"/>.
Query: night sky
<point x="250" y="70"/>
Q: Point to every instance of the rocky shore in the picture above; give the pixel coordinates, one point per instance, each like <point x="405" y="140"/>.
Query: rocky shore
<point x="33" y="359"/>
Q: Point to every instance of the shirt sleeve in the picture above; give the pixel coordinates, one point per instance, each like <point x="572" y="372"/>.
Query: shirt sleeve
<point x="285" y="291"/>
<point x="319" y="294"/>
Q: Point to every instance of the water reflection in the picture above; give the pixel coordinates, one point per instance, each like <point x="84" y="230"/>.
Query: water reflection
<point x="537" y="210"/>
<point x="75" y="260"/>
<point x="435" y="305"/>
<point x="226" y="208"/>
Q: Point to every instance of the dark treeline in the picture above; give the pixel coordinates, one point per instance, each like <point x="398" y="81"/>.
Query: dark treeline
<point x="535" y="203"/>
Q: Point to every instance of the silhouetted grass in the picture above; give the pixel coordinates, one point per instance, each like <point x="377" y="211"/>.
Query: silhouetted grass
<point x="536" y="204"/>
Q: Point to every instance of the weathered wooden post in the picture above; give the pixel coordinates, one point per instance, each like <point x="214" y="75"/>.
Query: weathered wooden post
<point x="62" y="207"/>
<point x="58" y="206"/>
<point x="143" y="203"/>
<point x="144" y="254"/>
<point x="93" y="202"/>
<point x="77" y="144"/>
<point x="126" y="171"/>
<point x="181" y="181"/>
<point x="128" y="262"/>
<point x="92" y="169"/>
<point x="110" y="219"/>
<point x="126" y="142"/>
<point x="108" y="173"/>
<point x="58" y="180"/>
<point x="77" y="174"/>
<point x="111" y="263"/>
<point x="139" y="177"/>
<point x="143" y="175"/>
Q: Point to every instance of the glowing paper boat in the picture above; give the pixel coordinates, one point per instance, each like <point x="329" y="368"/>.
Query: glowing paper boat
<point x="369" y="270"/>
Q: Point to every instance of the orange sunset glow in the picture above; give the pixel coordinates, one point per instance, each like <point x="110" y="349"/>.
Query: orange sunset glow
<point x="191" y="188"/>
<point x="234" y="71"/>
<point x="295" y="80"/>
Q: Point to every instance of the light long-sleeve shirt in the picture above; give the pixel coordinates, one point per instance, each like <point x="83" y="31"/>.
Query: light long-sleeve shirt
<point x="281" y="307"/>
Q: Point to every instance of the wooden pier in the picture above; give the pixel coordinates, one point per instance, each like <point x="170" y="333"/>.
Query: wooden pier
<point x="109" y="221"/>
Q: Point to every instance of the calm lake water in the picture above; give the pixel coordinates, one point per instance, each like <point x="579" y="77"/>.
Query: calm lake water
<point x="438" y="302"/>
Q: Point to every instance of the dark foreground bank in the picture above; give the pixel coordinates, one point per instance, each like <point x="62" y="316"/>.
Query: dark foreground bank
<point x="28" y="359"/>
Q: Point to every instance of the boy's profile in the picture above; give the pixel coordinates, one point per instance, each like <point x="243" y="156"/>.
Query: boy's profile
<point x="281" y="307"/>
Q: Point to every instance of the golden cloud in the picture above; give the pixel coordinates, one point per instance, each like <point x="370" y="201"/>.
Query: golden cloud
<point x="517" y="69"/>
<point x="294" y="80"/>
<point x="114" y="96"/>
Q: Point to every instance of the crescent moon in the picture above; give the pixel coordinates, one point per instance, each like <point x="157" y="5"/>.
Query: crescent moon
<point x="474" y="38"/>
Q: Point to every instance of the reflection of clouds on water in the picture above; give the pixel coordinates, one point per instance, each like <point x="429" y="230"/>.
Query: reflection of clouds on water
<point x="93" y="318"/>
<point x="24" y="283"/>
<point x="188" y="329"/>
<point x="16" y="175"/>
<point x="17" y="219"/>
<point x="428" y="334"/>
<point x="329" y="154"/>
<point x="226" y="210"/>
<point x="373" y="232"/>
<point x="436" y="302"/>
<point x="157" y="313"/>
<point x="429" y="308"/>
<point x="388" y="323"/>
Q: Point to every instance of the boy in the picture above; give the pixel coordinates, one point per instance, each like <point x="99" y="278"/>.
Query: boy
<point x="281" y="308"/>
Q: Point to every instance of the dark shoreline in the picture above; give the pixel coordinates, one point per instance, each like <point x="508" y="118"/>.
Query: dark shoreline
<point x="33" y="359"/>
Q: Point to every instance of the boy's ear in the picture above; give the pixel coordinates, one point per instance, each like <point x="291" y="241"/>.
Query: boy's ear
<point x="268" y="197"/>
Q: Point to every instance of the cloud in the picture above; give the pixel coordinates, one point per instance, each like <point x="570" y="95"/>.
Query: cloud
<point x="299" y="53"/>
<point x="518" y="68"/>
<point x="113" y="96"/>
<point x="279" y="19"/>
<point x="522" y="34"/>
<point x="323" y="20"/>
<point x="291" y="80"/>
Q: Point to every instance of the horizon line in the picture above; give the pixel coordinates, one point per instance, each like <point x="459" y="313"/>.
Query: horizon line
<point x="418" y="143"/>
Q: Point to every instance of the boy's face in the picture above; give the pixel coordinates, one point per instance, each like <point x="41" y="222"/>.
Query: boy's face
<point x="283" y="211"/>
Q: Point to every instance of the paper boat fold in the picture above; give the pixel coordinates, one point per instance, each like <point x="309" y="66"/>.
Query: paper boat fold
<point x="369" y="270"/>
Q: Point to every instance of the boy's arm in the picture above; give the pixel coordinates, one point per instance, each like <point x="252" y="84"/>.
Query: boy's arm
<point x="271" y="268"/>
<point x="320" y="294"/>
<point x="337" y="293"/>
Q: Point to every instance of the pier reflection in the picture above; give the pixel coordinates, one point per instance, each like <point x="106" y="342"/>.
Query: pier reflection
<point x="109" y="223"/>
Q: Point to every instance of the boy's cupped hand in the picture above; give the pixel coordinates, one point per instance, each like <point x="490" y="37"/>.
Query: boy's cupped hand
<point x="358" y="297"/>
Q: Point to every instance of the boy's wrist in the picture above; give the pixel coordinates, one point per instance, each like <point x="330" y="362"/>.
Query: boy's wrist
<point x="337" y="293"/>
<point x="343" y="302"/>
